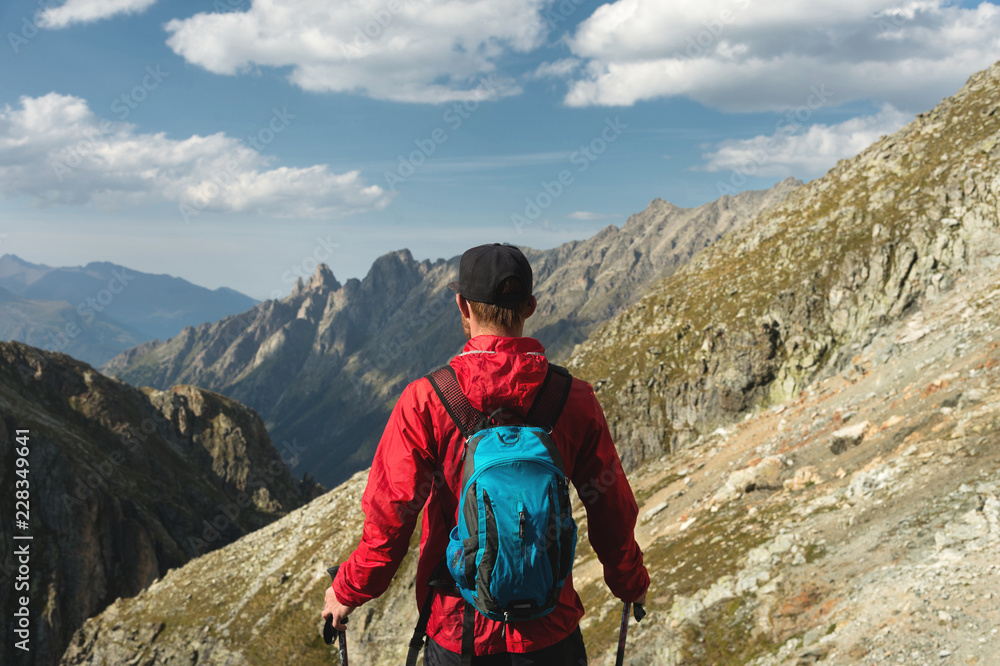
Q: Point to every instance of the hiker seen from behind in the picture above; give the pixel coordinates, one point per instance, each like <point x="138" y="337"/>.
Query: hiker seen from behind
<point x="487" y="446"/>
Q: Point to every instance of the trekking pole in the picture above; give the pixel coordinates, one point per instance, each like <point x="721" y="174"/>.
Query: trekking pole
<point x="622" y="634"/>
<point x="329" y="635"/>
<point x="640" y="613"/>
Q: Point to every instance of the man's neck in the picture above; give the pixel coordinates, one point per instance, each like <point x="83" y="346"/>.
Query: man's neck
<point x="475" y="329"/>
<point x="499" y="334"/>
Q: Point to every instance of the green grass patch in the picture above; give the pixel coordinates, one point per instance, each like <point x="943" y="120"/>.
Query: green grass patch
<point x="814" y="552"/>
<point x="726" y="636"/>
<point x="642" y="496"/>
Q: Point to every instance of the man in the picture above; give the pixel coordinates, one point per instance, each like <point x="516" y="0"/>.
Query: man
<point x="419" y="458"/>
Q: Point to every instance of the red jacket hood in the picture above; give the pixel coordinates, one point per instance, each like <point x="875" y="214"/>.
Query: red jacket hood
<point x="500" y="372"/>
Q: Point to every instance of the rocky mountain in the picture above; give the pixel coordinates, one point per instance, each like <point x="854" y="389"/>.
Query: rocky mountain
<point x="122" y="485"/>
<point x="95" y="312"/>
<point x="325" y="365"/>
<point x="855" y="524"/>
<point x="798" y="293"/>
<point x="584" y="283"/>
<point x="847" y="510"/>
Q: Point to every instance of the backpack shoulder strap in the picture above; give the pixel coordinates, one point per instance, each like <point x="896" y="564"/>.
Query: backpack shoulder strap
<point x="551" y="398"/>
<point x="468" y="419"/>
<point x="440" y="582"/>
<point x="544" y="412"/>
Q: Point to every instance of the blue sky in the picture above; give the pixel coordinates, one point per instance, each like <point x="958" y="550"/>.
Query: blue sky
<point x="233" y="142"/>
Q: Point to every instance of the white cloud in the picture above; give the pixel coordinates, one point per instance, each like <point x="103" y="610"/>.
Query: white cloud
<point x="556" y="69"/>
<point x="589" y="216"/>
<point x="55" y="150"/>
<point x="792" y="150"/>
<point x="742" y="56"/>
<point x="85" y="11"/>
<point x="403" y="50"/>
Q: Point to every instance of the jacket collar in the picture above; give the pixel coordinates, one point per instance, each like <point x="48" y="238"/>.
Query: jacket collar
<point x="495" y="343"/>
<point x="494" y="372"/>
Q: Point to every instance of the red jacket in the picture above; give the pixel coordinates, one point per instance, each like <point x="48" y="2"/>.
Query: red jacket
<point x="419" y="457"/>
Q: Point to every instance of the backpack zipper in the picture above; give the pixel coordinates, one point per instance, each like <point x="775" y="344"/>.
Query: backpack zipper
<point x="507" y="461"/>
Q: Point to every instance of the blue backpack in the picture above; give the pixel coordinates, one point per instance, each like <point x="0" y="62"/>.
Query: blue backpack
<point x="515" y="540"/>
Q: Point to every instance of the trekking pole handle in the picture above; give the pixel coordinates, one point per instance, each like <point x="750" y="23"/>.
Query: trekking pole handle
<point x="329" y="634"/>
<point x="639" y="612"/>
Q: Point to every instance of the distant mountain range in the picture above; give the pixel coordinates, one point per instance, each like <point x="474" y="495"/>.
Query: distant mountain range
<point x="325" y="365"/>
<point x="96" y="311"/>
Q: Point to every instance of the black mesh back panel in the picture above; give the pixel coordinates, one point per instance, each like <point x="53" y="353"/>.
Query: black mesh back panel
<point x="544" y="411"/>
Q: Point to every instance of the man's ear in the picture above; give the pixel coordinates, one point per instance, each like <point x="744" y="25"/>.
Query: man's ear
<point x="532" y="304"/>
<point x="463" y="306"/>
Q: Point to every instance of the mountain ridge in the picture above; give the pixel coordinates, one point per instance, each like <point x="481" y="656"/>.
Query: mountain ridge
<point x="127" y="305"/>
<point x="325" y="364"/>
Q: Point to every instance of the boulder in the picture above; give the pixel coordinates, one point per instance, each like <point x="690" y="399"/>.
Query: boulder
<point x="804" y="477"/>
<point x="764" y="474"/>
<point x="848" y="437"/>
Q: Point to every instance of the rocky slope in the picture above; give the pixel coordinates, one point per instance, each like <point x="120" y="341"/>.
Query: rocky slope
<point x="800" y="291"/>
<point x="857" y="523"/>
<point x="123" y="486"/>
<point x="324" y="366"/>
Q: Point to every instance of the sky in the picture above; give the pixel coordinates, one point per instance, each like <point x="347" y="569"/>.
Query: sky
<point x="238" y="142"/>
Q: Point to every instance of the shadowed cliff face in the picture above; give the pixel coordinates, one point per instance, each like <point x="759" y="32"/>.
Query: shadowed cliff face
<point x="803" y="289"/>
<point x="325" y="365"/>
<point x="124" y="485"/>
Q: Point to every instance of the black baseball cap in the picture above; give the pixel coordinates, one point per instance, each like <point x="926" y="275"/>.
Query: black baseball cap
<point x="485" y="267"/>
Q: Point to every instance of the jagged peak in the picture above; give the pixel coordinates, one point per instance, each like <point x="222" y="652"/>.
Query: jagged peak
<point x="403" y="256"/>
<point x="322" y="280"/>
<point x="656" y="207"/>
<point x="390" y="263"/>
<point x="662" y="204"/>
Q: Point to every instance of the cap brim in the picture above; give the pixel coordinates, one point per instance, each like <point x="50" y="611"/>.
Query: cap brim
<point x="454" y="287"/>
